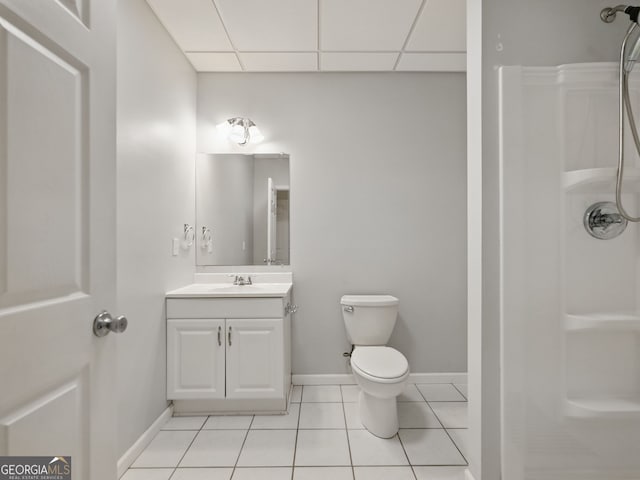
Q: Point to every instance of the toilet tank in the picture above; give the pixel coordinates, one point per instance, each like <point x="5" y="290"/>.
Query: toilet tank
<point x="369" y="319"/>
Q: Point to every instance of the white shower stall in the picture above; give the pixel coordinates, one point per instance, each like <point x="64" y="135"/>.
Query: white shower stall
<point x="570" y="310"/>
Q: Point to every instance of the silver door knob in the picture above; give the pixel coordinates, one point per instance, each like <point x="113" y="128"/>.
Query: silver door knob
<point x="105" y="323"/>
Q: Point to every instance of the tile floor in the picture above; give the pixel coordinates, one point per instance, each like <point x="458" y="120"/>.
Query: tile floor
<point x="320" y="438"/>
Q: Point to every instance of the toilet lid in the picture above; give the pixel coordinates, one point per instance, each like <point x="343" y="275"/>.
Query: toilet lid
<point x="381" y="362"/>
<point x="369" y="300"/>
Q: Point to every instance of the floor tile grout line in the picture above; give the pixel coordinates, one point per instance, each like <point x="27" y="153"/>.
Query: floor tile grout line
<point x="431" y="408"/>
<point x="456" y="445"/>
<point x="295" y="444"/>
<point x="173" y="473"/>
<point x="453" y="385"/>
<point x="406" y="455"/>
<point x="445" y="431"/>
<point x="346" y="432"/>
<point x="460" y="392"/>
<point x="422" y="394"/>
<point x="242" y="446"/>
<point x="448" y="401"/>
<point x="435" y="414"/>
<point x="185" y="452"/>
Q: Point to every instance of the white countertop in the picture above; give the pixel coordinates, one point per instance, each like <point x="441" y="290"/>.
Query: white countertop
<point x="228" y="290"/>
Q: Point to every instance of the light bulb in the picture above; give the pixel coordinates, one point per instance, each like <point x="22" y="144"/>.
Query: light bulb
<point x="224" y="128"/>
<point x="255" y="136"/>
<point x="238" y="134"/>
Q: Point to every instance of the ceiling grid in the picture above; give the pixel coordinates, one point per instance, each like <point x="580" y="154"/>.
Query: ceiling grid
<point x="317" y="35"/>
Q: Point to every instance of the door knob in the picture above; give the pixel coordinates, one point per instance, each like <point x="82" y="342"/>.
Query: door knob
<point x="104" y="323"/>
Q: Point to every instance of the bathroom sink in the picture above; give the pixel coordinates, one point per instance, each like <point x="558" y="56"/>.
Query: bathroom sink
<point x="244" y="289"/>
<point x="230" y="290"/>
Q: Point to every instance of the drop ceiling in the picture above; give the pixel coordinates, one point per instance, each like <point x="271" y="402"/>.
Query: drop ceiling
<point x="317" y="35"/>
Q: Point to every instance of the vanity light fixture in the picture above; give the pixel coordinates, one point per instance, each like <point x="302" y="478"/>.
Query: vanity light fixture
<point x="241" y="130"/>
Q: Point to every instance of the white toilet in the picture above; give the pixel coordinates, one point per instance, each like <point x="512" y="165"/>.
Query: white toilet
<point x="380" y="371"/>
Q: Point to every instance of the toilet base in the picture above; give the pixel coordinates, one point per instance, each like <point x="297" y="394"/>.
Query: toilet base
<point x="379" y="415"/>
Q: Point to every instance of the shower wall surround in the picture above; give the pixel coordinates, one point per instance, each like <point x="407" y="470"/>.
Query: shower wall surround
<point x="570" y="302"/>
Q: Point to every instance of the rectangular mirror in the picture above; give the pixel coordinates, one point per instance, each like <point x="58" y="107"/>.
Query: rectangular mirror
<point x="242" y="209"/>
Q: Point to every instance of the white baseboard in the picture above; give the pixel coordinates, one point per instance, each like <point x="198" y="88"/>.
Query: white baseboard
<point x="323" y="379"/>
<point x="467" y="475"/>
<point x="145" y="439"/>
<point x="347" y="378"/>
<point x="438" y="378"/>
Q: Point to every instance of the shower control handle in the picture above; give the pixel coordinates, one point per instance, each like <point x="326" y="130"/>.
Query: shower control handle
<point x="603" y="221"/>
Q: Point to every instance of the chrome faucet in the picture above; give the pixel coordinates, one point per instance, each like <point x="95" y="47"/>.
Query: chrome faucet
<point x="240" y="281"/>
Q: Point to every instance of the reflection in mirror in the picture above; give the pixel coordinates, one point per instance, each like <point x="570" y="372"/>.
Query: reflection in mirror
<point x="242" y="209"/>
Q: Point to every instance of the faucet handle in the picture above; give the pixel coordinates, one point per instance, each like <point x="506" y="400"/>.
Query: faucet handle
<point x="248" y="280"/>
<point x="235" y="280"/>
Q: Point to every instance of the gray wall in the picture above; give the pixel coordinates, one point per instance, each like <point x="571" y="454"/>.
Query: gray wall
<point x="378" y="200"/>
<point x="156" y="150"/>
<point x="511" y="32"/>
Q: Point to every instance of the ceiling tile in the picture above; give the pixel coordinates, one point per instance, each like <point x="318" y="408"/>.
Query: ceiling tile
<point x="440" y="28"/>
<point x="357" y="62"/>
<point x="276" y="25"/>
<point x="214" y="62"/>
<point x="366" y="25"/>
<point x="280" y="62"/>
<point x="193" y="24"/>
<point x="432" y="62"/>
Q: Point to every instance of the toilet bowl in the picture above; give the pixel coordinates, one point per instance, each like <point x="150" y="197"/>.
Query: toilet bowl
<point x="381" y="373"/>
<point x="379" y="370"/>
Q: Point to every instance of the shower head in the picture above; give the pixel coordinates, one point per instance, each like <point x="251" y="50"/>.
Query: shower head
<point x="608" y="14"/>
<point x="631" y="47"/>
<point x="631" y="43"/>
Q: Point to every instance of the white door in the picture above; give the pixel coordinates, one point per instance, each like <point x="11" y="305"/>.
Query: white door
<point x="195" y="359"/>
<point x="255" y="358"/>
<point x="57" y="224"/>
<point x="272" y="206"/>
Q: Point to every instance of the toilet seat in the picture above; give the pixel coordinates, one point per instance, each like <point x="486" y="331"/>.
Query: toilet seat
<point x="380" y="363"/>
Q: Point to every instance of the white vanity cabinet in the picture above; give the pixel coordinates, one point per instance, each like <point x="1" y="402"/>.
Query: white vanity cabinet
<point x="228" y="354"/>
<point x="255" y="358"/>
<point x="195" y="359"/>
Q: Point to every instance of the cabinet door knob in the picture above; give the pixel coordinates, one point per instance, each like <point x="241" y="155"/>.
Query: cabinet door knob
<point x="219" y="336"/>
<point x="229" y="336"/>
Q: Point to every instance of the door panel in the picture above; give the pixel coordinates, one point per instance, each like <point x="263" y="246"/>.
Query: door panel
<point x="57" y="224"/>
<point x="44" y="159"/>
<point x="195" y="359"/>
<point x="61" y="409"/>
<point x="255" y="358"/>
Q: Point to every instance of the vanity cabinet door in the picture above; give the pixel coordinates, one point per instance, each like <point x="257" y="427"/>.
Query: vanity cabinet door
<point x="195" y="359"/>
<point x="255" y="358"/>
